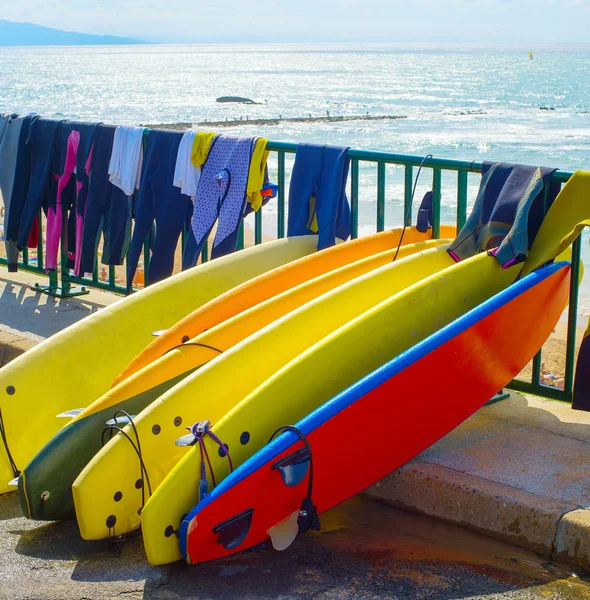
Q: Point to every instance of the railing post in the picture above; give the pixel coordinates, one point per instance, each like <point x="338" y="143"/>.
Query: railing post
<point x="146" y="257"/>
<point x="380" y="196"/>
<point x="258" y="226"/>
<point x="436" y="199"/>
<point x="240" y="244"/>
<point x="40" y="258"/>
<point x="536" y="374"/>
<point x="281" y="197"/>
<point x="95" y="271"/>
<point x="462" y="181"/>
<point x="354" y="199"/>
<point x="63" y="245"/>
<point x="408" y="184"/>
<point x="572" y="321"/>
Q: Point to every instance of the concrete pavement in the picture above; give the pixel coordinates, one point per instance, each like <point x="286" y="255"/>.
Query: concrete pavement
<point x="365" y="551"/>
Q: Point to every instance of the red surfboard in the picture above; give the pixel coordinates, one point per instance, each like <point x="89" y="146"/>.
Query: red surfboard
<point x="378" y="424"/>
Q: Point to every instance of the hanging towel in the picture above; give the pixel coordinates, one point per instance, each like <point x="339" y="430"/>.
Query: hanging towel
<point x="159" y="201"/>
<point x="201" y="146"/>
<point x="126" y="158"/>
<point x="268" y="191"/>
<point x="257" y="173"/>
<point x="317" y="195"/>
<point x="507" y="212"/>
<point x="41" y="144"/>
<point x="221" y="197"/>
<point x="108" y="208"/>
<point x="187" y="175"/>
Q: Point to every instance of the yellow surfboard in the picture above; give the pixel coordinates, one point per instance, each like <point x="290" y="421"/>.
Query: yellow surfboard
<point x="316" y="375"/>
<point x="74" y="367"/>
<point x="45" y="486"/>
<point x="108" y="493"/>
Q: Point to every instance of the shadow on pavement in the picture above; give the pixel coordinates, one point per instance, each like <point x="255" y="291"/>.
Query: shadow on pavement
<point x="26" y="310"/>
<point x="366" y="550"/>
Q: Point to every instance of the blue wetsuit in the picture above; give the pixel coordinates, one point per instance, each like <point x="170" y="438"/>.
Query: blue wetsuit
<point x="14" y="180"/>
<point x="507" y="213"/>
<point x="108" y="209"/>
<point x="41" y="143"/>
<point x="20" y="187"/>
<point x="318" y="192"/>
<point x="160" y="201"/>
<point x="88" y="133"/>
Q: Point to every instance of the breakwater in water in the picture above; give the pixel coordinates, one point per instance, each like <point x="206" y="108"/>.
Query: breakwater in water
<point x="276" y="121"/>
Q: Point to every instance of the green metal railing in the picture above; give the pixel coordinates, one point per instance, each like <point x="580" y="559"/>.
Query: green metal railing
<point x="439" y="166"/>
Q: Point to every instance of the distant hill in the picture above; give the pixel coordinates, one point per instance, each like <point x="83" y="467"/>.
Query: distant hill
<point x="29" y="34"/>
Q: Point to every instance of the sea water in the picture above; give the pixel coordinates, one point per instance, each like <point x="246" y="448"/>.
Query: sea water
<point x="472" y="102"/>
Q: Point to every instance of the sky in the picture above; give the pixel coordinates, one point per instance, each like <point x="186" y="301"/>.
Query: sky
<point x="186" y="21"/>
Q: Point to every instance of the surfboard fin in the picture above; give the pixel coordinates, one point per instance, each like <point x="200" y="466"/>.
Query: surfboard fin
<point x="70" y="414"/>
<point x="159" y="332"/>
<point x="197" y="431"/>
<point x="186" y="440"/>
<point x="283" y="534"/>
<point x="13" y="482"/>
<point x="234" y="531"/>
<point x="120" y="420"/>
<point x="293" y="467"/>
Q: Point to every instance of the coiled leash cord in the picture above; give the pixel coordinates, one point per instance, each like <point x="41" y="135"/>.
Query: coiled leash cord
<point x="308" y="514"/>
<point x="199" y="430"/>
<point x="13" y="467"/>
<point x="136" y="446"/>
<point x="409" y="208"/>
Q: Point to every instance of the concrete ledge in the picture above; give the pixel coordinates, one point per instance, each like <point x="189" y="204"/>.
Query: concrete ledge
<point x="572" y="542"/>
<point x="520" y="518"/>
<point x="13" y="345"/>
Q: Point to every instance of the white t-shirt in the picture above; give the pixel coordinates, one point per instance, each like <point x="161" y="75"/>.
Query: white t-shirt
<point x="186" y="175"/>
<point x="126" y="158"/>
